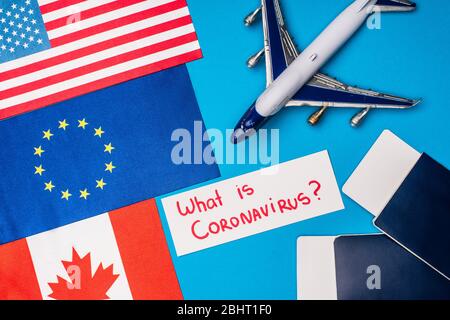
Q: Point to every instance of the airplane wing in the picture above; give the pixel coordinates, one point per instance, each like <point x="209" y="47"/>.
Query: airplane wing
<point x="322" y="90"/>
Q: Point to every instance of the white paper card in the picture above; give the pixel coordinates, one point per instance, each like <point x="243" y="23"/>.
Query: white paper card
<point x="316" y="268"/>
<point x="252" y="203"/>
<point x="381" y="172"/>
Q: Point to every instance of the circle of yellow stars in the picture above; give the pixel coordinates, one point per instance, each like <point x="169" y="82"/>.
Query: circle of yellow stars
<point x="65" y="194"/>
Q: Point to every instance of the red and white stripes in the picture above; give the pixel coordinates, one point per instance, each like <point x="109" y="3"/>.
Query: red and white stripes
<point x="97" y="43"/>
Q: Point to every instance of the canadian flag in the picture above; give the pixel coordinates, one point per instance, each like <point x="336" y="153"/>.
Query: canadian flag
<point x="117" y="255"/>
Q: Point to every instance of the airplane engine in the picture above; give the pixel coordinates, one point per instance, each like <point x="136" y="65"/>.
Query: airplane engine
<point x="359" y="117"/>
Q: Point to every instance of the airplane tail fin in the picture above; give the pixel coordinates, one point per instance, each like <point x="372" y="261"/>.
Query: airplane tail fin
<point x="395" y="5"/>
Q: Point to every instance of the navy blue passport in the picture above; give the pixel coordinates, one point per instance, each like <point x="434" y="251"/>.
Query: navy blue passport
<point x="418" y="215"/>
<point x="374" y="267"/>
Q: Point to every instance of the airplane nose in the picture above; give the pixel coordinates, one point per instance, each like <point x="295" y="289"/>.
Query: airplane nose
<point x="247" y="125"/>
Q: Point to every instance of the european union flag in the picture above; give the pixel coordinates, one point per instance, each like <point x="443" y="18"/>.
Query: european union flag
<point x="95" y="153"/>
<point x="22" y="30"/>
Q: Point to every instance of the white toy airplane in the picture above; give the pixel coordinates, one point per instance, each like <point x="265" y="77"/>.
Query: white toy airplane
<point x="293" y="78"/>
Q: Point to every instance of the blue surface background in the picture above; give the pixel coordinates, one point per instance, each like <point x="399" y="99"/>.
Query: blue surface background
<point x="408" y="56"/>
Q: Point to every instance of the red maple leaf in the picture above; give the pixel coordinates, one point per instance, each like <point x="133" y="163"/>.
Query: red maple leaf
<point x="83" y="286"/>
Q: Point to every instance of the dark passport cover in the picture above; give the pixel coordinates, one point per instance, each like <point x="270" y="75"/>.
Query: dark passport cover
<point x="418" y="215"/>
<point x="402" y="276"/>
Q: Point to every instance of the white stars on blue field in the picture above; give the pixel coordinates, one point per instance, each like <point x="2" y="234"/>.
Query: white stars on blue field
<point x="22" y="30"/>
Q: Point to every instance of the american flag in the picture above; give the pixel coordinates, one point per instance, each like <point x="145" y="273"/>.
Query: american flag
<point x="53" y="50"/>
